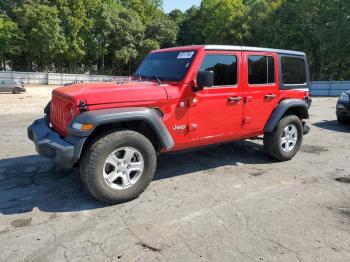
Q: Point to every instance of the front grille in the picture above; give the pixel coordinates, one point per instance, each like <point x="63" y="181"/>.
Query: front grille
<point x="60" y="114"/>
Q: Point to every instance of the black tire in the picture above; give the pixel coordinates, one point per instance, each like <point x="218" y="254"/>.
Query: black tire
<point x="93" y="162"/>
<point x="16" y="90"/>
<point x="342" y="120"/>
<point x="272" y="141"/>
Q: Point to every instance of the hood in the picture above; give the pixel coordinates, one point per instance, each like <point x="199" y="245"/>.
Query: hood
<point x="111" y="92"/>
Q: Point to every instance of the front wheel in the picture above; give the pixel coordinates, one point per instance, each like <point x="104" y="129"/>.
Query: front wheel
<point x="118" y="166"/>
<point x="342" y="120"/>
<point x="285" y="141"/>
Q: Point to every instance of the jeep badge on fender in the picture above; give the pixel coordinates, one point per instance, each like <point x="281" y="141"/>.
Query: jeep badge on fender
<point x="179" y="98"/>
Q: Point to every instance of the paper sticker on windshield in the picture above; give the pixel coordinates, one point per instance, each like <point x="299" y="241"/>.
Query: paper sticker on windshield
<point x="185" y="55"/>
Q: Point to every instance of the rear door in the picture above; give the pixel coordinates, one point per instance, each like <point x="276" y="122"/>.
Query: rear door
<point x="261" y="92"/>
<point x="215" y="113"/>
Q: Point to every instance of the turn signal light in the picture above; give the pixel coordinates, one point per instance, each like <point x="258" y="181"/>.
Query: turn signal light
<point x="86" y="127"/>
<point x="82" y="127"/>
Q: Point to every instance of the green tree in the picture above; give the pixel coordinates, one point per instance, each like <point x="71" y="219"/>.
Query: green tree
<point x="102" y="34"/>
<point x="128" y="39"/>
<point x="147" y="46"/>
<point x="177" y="16"/>
<point x="259" y="22"/>
<point x="113" y="36"/>
<point x="77" y="25"/>
<point x="336" y="37"/>
<point x="43" y="35"/>
<point x="215" y="21"/>
<point x="10" y="37"/>
<point x="163" y="30"/>
<point x="148" y="10"/>
<point x="317" y="27"/>
<point x="222" y="21"/>
<point x="190" y="29"/>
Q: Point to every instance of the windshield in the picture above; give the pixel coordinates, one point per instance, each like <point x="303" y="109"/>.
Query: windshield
<point x="169" y="66"/>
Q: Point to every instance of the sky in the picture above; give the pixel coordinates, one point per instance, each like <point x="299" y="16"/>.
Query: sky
<point x="169" y="5"/>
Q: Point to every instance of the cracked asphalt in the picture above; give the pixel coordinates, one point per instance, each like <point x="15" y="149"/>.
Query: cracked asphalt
<point x="225" y="203"/>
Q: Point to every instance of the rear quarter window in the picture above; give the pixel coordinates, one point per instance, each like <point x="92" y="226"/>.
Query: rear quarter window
<point x="294" y="70"/>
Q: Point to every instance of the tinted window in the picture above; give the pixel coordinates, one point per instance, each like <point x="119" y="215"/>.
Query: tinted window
<point x="171" y="66"/>
<point x="293" y="70"/>
<point x="224" y="68"/>
<point x="261" y="70"/>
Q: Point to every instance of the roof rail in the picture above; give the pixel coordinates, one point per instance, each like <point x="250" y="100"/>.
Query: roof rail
<point x="253" y="49"/>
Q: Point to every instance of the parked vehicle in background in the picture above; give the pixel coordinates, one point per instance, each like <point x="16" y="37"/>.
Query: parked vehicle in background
<point x="74" y="82"/>
<point x="11" y="86"/>
<point x="179" y="98"/>
<point x="343" y="108"/>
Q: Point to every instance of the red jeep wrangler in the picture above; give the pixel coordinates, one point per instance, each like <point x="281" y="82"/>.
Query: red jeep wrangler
<point x="179" y="98"/>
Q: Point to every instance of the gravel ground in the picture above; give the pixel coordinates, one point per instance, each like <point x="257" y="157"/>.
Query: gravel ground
<point x="225" y="203"/>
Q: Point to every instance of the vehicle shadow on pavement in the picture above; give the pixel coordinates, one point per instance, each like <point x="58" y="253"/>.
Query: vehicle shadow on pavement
<point x="332" y="125"/>
<point x="34" y="182"/>
<point x="233" y="154"/>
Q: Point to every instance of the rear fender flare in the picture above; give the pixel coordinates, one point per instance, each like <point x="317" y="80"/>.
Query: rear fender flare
<point x="282" y="108"/>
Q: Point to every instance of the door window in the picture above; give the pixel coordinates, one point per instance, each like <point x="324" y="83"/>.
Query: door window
<point x="224" y="68"/>
<point x="261" y="70"/>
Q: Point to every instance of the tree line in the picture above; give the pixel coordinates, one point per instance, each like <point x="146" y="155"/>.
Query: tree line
<point x="113" y="36"/>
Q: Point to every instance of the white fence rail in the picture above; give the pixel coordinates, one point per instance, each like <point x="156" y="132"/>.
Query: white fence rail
<point x="318" y="88"/>
<point x="52" y="78"/>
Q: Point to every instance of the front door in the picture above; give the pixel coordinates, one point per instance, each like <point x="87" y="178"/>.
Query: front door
<point x="260" y="90"/>
<point x="215" y="113"/>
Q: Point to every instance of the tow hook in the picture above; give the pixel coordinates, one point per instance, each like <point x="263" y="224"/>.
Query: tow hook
<point x="306" y="128"/>
<point x="308" y="101"/>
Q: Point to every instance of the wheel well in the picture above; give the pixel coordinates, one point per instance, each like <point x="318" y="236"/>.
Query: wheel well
<point x="141" y="127"/>
<point x="298" y="111"/>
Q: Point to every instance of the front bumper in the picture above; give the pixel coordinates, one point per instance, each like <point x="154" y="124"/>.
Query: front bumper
<point x="343" y="110"/>
<point x="50" y="144"/>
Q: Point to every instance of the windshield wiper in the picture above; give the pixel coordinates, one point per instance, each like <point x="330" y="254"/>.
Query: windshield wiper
<point x="157" y="79"/>
<point x="139" y="76"/>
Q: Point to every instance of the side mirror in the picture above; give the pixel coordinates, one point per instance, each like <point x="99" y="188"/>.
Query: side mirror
<point x="204" y="79"/>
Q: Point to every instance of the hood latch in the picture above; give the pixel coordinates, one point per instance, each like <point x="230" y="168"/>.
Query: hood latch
<point x="82" y="106"/>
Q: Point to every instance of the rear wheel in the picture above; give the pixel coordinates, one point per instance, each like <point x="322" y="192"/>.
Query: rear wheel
<point x="16" y="90"/>
<point x="285" y="141"/>
<point x="118" y="166"/>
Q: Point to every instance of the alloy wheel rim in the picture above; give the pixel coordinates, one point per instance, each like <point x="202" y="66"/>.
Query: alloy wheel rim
<point x="123" y="168"/>
<point x="289" y="138"/>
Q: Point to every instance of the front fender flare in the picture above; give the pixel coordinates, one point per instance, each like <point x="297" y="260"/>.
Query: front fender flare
<point x="117" y="115"/>
<point x="282" y="109"/>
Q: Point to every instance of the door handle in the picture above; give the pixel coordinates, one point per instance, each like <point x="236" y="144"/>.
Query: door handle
<point x="234" y="99"/>
<point x="272" y="96"/>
